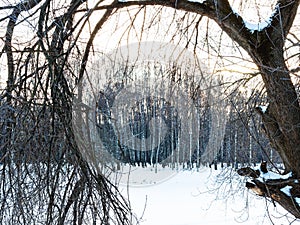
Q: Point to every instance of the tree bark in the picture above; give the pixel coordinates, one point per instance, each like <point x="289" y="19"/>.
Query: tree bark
<point x="282" y="118"/>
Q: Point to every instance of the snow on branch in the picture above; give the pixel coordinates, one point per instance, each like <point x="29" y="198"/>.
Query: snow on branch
<point x="199" y="1"/>
<point x="263" y="108"/>
<point x="252" y="27"/>
<point x="281" y="188"/>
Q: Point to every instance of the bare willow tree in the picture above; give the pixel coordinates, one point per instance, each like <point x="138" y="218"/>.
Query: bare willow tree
<point x="45" y="64"/>
<point x="44" y="178"/>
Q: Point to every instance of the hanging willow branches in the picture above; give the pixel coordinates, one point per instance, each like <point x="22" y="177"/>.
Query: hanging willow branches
<point x="44" y="178"/>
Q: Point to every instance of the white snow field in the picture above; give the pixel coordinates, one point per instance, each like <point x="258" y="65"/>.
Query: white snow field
<point x="202" y="197"/>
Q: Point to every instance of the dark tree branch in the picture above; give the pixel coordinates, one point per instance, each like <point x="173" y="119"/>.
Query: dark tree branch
<point x="221" y="12"/>
<point x="98" y="26"/>
<point x="273" y="188"/>
<point x="24" y="6"/>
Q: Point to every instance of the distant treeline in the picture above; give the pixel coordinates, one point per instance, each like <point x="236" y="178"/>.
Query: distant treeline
<point x="242" y="140"/>
<point x="150" y="132"/>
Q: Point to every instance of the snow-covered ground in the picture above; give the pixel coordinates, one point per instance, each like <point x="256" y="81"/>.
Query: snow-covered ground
<point x="202" y="197"/>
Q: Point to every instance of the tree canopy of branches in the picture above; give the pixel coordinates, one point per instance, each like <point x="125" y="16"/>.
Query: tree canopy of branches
<point x="44" y="69"/>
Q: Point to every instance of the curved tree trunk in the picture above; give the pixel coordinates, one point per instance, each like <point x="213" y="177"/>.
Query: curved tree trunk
<point x="281" y="123"/>
<point x="282" y="117"/>
<point x="265" y="47"/>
